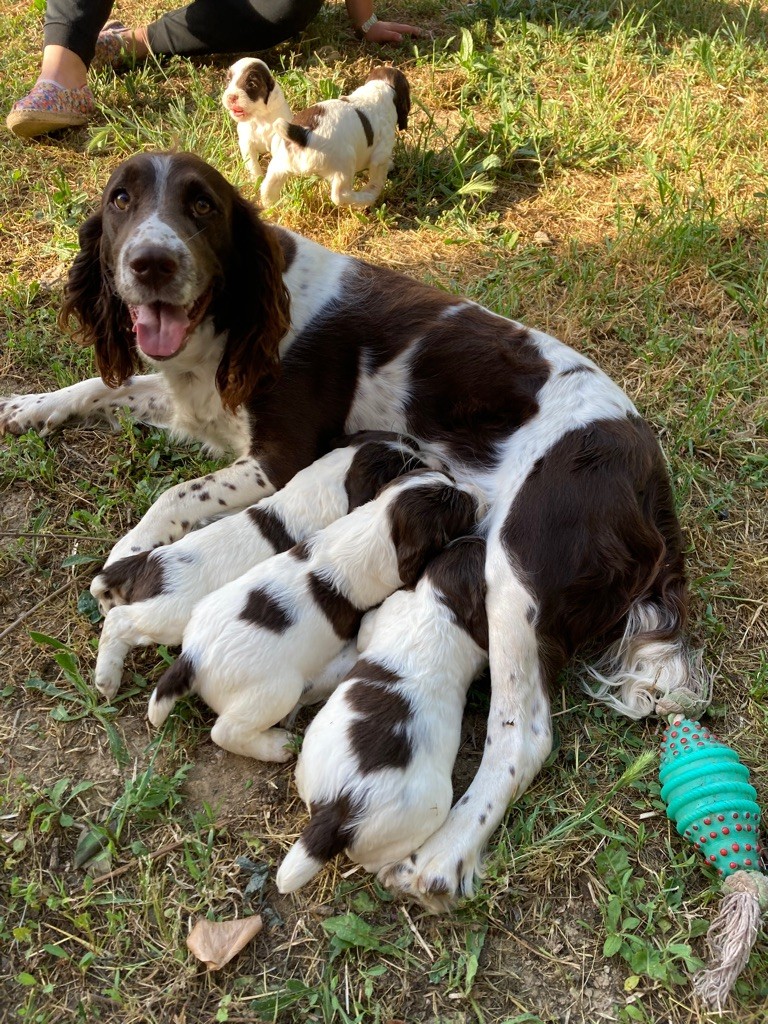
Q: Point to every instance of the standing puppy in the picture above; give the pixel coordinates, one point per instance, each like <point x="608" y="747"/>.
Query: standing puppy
<point x="375" y="766"/>
<point x="337" y="138"/>
<point x="250" y="647"/>
<point x="149" y="597"/>
<point x="254" y="100"/>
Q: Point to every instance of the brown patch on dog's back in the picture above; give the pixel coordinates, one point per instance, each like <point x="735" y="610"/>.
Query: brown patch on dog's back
<point x="378" y="736"/>
<point x="262" y="609"/>
<point x="338" y="609"/>
<point x="271" y="526"/>
<point x="367" y="127"/>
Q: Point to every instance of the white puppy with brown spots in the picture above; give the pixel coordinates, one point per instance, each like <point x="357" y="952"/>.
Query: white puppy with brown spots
<point x="254" y="100"/>
<point x="337" y="138"/>
<point x="250" y="647"/>
<point x="375" y="766"/>
<point x="148" y="598"/>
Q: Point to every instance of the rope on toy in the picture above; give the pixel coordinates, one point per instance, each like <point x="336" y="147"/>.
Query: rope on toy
<point x="709" y="797"/>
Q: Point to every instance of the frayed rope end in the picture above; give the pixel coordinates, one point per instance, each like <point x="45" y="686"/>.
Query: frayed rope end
<point x="731" y="936"/>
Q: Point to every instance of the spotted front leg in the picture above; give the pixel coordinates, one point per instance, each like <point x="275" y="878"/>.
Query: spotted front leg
<point x="89" y="401"/>
<point x="181" y="508"/>
<point x="518" y="741"/>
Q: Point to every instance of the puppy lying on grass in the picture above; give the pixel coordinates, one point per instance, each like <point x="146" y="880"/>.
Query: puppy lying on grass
<point x="250" y="647"/>
<point x="148" y="598"/>
<point x="337" y="138"/>
<point x="375" y="766"/>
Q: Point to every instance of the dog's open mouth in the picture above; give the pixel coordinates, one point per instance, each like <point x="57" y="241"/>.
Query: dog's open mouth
<point x="236" y="111"/>
<point x="162" y="329"/>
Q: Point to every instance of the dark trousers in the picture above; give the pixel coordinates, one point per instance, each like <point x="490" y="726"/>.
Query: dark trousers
<point x="204" y="26"/>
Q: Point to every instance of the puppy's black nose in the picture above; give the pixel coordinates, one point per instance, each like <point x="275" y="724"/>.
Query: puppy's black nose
<point x="153" y="265"/>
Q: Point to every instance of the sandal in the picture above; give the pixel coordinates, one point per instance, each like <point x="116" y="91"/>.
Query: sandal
<point x="49" y="107"/>
<point x="114" y="47"/>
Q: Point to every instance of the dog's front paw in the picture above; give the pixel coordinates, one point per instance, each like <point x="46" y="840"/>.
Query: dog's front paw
<point x="41" y="413"/>
<point x="434" y="876"/>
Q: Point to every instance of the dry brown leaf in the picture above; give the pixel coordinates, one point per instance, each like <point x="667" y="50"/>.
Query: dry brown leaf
<point x="216" y="942"/>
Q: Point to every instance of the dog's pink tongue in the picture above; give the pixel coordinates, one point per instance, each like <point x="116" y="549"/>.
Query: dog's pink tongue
<point x="160" y="328"/>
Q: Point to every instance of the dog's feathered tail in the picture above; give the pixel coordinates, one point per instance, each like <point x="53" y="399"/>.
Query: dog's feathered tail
<point x="176" y="682"/>
<point x="329" y="832"/>
<point x="292" y="132"/>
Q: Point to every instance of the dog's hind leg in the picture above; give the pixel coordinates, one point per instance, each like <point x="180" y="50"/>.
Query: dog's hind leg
<point x="231" y="732"/>
<point x="246" y="726"/>
<point x="377" y="177"/>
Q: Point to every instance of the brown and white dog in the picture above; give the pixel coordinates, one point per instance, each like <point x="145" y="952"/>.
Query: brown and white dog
<point x="148" y="598"/>
<point x="269" y="345"/>
<point x="250" y="647"/>
<point x="254" y="100"/>
<point x="375" y="765"/>
<point x="337" y="138"/>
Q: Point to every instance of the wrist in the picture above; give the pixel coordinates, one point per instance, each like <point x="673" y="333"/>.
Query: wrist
<point x="367" y="25"/>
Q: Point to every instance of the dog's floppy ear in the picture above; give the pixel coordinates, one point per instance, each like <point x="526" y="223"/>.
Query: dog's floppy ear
<point x="422" y="520"/>
<point x="398" y="81"/>
<point x="253" y="307"/>
<point x="102" y="317"/>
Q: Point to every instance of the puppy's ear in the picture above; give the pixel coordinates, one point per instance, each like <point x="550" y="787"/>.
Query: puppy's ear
<point x="102" y="317"/>
<point x="423" y="520"/>
<point x="458" y="573"/>
<point x="373" y="465"/>
<point x="402" y="98"/>
<point x="253" y="307"/>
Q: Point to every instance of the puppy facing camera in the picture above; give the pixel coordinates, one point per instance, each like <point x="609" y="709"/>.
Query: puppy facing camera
<point x="334" y="139"/>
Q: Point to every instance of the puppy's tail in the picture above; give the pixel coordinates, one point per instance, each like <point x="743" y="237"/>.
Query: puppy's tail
<point x="327" y="834"/>
<point x="292" y="132"/>
<point x="176" y="682"/>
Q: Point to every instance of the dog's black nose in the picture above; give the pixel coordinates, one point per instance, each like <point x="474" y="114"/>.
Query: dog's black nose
<point x="154" y="265"/>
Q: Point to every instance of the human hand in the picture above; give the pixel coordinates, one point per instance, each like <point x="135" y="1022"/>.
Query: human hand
<point x="391" y="32"/>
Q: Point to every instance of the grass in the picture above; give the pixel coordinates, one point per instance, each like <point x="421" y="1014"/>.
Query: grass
<point x="598" y="170"/>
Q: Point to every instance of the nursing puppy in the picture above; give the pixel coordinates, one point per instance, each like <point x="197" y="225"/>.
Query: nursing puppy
<point x="375" y="766"/>
<point x="148" y="598"/>
<point x="254" y="101"/>
<point x="250" y="647"/>
<point x="337" y="138"/>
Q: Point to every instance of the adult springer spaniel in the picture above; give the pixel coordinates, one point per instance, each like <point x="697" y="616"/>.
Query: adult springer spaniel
<point x="270" y="346"/>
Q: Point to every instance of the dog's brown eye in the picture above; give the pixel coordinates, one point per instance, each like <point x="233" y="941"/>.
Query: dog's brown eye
<point x="202" y="206"/>
<point x="121" y="199"/>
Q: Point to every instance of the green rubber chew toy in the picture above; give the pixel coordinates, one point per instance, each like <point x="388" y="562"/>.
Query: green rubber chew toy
<point x="708" y="796"/>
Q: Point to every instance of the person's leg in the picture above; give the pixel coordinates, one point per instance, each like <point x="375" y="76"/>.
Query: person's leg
<point x="61" y="98"/>
<point x="229" y="26"/>
<point x="74" y="25"/>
